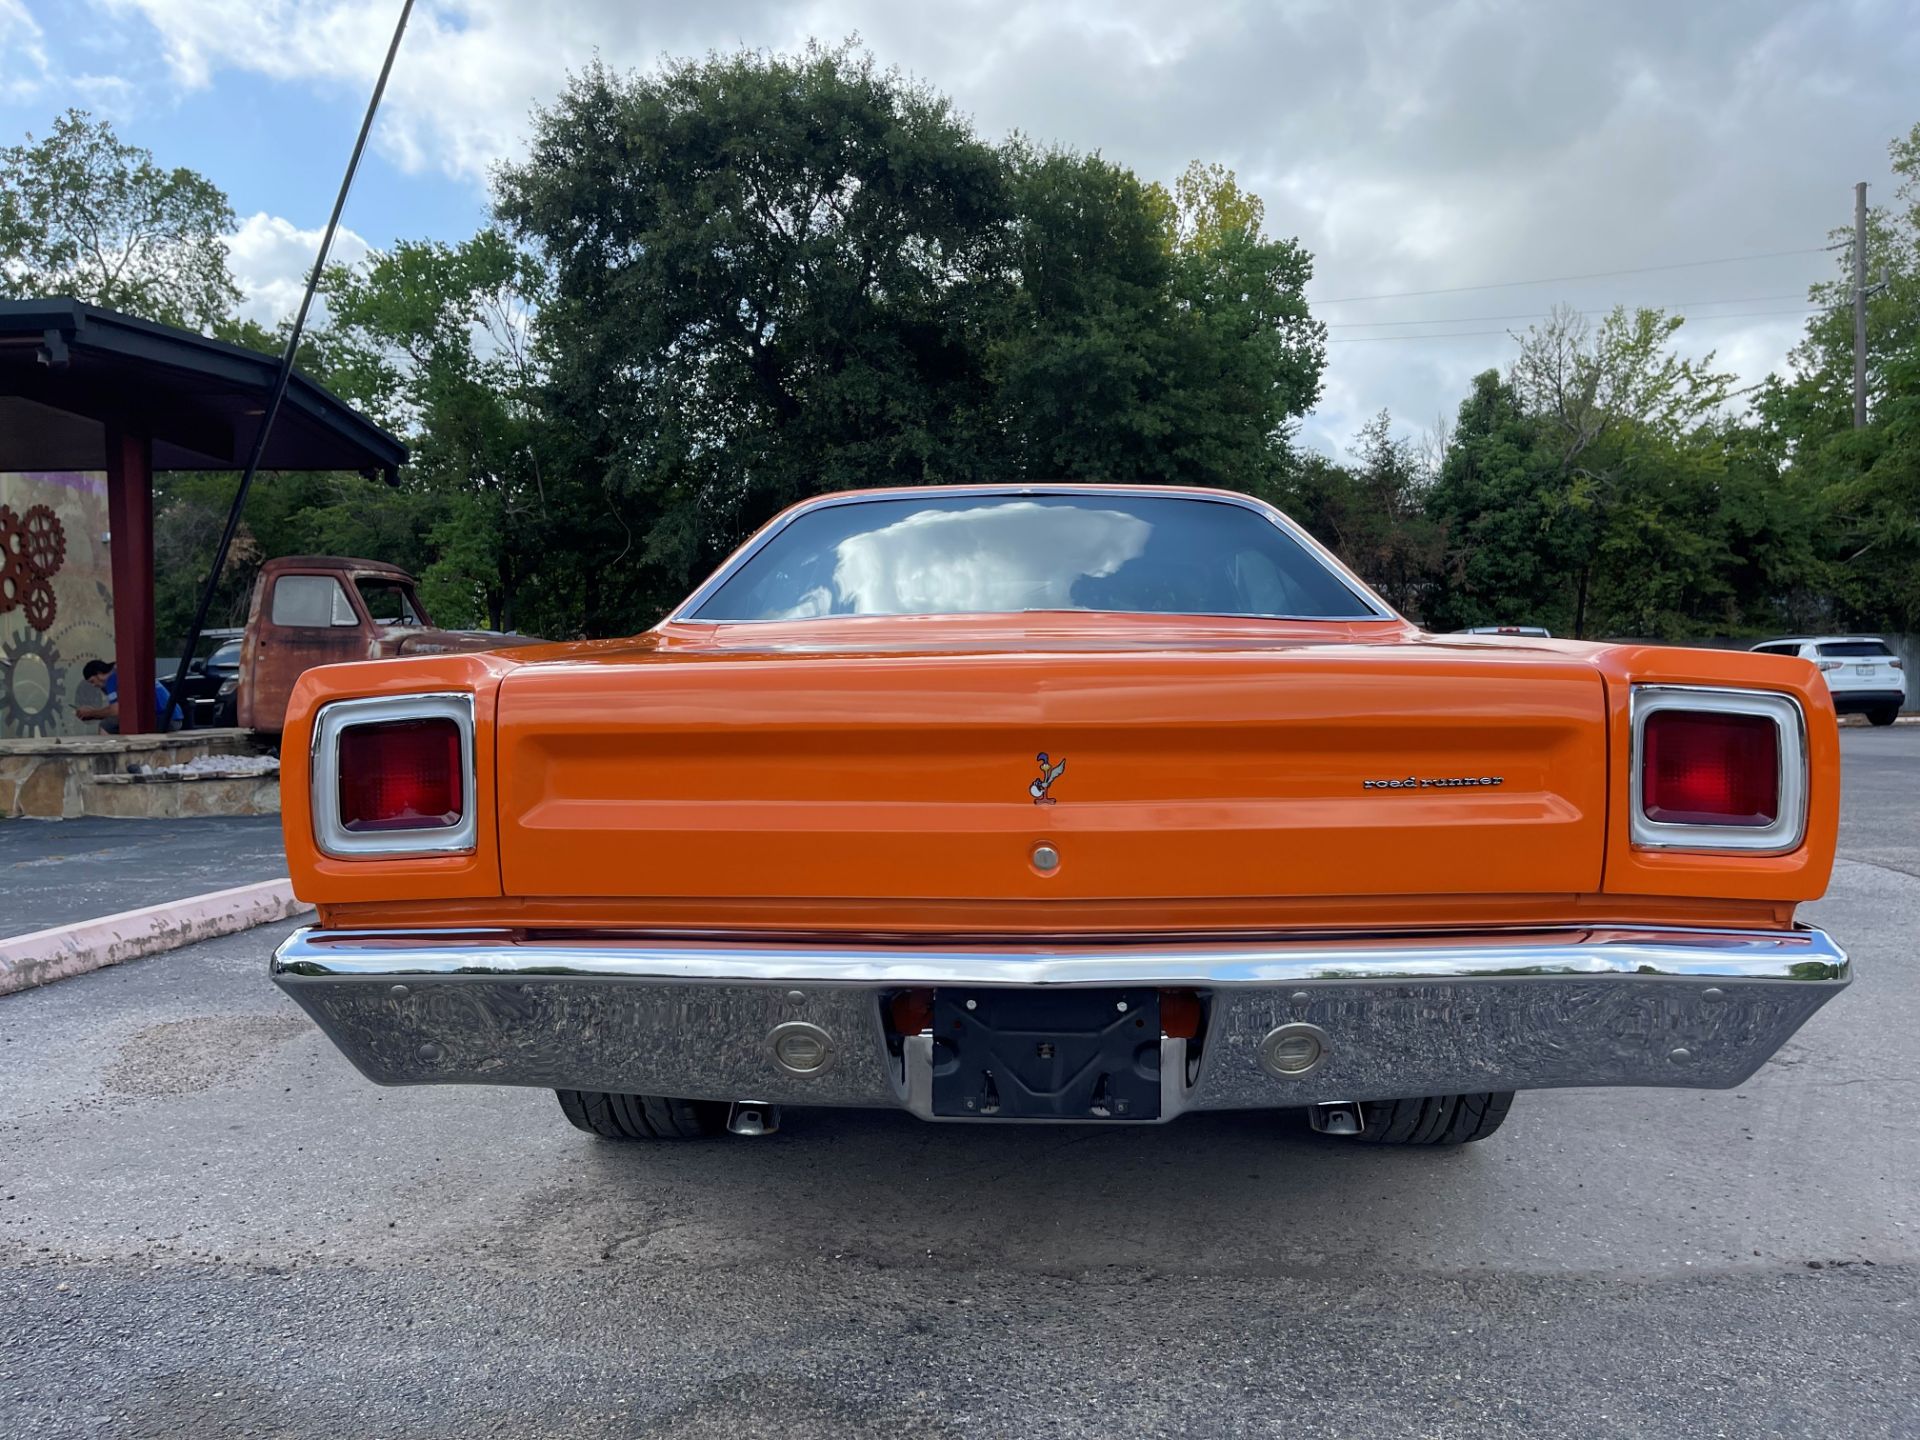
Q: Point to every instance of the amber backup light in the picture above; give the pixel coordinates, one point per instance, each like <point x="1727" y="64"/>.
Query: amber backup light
<point x="394" y="775"/>
<point x="1717" y="769"/>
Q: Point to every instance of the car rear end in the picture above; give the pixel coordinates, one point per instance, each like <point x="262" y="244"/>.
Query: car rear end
<point x="1863" y="674"/>
<point x="1269" y="875"/>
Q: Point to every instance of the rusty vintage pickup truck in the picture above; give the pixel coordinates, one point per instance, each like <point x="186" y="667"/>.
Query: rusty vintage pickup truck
<point x="313" y="610"/>
<point x="1098" y="804"/>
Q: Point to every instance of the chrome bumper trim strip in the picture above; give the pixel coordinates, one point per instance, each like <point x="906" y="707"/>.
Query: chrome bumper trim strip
<point x="1765" y="954"/>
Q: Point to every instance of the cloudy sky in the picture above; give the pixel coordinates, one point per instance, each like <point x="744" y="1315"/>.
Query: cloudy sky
<point x="1437" y="155"/>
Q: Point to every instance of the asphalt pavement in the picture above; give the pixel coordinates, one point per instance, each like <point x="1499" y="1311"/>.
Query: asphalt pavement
<point x="211" y="1226"/>
<point x="57" y="872"/>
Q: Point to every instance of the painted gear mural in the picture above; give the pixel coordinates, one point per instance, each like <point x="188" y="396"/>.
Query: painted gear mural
<point x="13" y="559"/>
<point x="40" y="605"/>
<point x="32" y="708"/>
<point x="13" y="583"/>
<point x="13" y="537"/>
<point x="43" y="542"/>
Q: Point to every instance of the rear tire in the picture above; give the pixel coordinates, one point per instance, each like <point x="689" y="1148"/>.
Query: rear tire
<point x="642" y="1117"/>
<point x="1435" y="1119"/>
<point x="1883" y="714"/>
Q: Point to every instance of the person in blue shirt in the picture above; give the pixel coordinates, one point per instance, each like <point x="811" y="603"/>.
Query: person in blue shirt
<point x="102" y="674"/>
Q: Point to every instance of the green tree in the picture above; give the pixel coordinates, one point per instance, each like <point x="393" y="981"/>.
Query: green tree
<point x="1374" y="513"/>
<point x="1082" y="363"/>
<point x="82" y="214"/>
<point x="1602" y="488"/>
<point x="436" y="341"/>
<point x="1615" y="404"/>
<point x="770" y="274"/>
<point x="776" y="275"/>
<point x="1152" y="336"/>
<point x="1774" y="533"/>
<point x="1866" y="482"/>
<point x="1495" y="498"/>
<point x="1249" y="356"/>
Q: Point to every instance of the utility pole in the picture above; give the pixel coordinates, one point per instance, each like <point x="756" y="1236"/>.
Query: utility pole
<point x="1860" y="306"/>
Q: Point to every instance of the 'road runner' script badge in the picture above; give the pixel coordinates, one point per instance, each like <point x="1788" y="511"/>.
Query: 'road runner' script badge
<point x="1435" y="782"/>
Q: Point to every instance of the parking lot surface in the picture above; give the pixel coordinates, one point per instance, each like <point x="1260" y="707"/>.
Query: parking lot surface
<point x="56" y="872"/>
<point x="211" y="1226"/>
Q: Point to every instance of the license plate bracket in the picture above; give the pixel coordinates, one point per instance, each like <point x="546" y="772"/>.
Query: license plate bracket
<point x="1046" y="1054"/>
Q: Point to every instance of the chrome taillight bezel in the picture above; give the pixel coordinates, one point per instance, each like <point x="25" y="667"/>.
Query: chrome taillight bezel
<point x="333" y="719"/>
<point x="1788" y="829"/>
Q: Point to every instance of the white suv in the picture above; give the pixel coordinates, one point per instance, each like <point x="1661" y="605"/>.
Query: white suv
<point x="1862" y="672"/>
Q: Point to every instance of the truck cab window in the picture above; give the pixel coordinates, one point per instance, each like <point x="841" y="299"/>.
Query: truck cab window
<point x="311" y="602"/>
<point x="389" y="603"/>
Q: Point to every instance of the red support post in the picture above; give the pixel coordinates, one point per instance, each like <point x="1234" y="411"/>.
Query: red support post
<point x="130" y="518"/>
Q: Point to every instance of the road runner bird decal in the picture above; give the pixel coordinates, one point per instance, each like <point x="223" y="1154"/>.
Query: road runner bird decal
<point x="1048" y="774"/>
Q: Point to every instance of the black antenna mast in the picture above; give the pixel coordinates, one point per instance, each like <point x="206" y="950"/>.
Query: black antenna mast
<point x="284" y="375"/>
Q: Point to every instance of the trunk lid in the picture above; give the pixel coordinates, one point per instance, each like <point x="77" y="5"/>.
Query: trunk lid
<point x="738" y="779"/>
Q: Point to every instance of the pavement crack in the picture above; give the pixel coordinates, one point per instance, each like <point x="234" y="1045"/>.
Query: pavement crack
<point x="1879" y="865"/>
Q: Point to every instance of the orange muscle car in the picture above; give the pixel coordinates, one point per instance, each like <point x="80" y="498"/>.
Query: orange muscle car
<point x="1059" y="803"/>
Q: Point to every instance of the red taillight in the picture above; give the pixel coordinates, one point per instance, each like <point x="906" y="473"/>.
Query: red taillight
<point x="1705" y="768"/>
<point x="400" y="775"/>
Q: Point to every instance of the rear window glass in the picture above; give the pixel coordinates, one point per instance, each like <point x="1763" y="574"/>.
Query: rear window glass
<point x="996" y="554"/>
<point x="1841" y="649"/>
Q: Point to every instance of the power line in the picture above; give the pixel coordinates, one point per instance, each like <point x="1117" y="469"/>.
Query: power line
<point x="1469" y="334"/>
<point x="1590" y="275"/>
<point x="1540" y="314"/>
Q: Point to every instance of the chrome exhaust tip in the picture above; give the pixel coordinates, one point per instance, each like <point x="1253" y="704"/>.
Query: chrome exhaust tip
<point x="752" y="1117"/>
<point x="1337" y="1117"/>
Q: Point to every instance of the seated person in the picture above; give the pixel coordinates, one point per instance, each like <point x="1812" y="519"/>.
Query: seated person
<point x="102" y="673"/>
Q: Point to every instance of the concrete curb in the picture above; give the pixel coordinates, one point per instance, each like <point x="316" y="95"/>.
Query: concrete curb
<point x="49" y="955"/>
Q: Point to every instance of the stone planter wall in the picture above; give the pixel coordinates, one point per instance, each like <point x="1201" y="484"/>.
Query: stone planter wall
<point x="171" y="796"/>
<point x="52" y="779"/>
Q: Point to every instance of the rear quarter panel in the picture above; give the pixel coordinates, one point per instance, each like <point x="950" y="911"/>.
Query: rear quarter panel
<point x="323" y="881"/>
<point x="1800" y="875"/>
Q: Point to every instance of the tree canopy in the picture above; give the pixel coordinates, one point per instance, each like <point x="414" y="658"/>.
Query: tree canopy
<point x="780" y="275"/>
<point x="84" y="215"/>
<point x="1864" y="483"/>
<point x="436" y="341"/>
<point x="727" y="284"/>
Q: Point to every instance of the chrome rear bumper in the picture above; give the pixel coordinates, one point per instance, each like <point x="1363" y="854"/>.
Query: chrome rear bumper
<point x="1426" y="1015"/>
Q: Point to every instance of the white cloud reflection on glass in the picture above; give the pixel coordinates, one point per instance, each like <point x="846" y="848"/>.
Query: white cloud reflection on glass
<point x="1108" y="552"/>
<point x="992" y="559"/>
